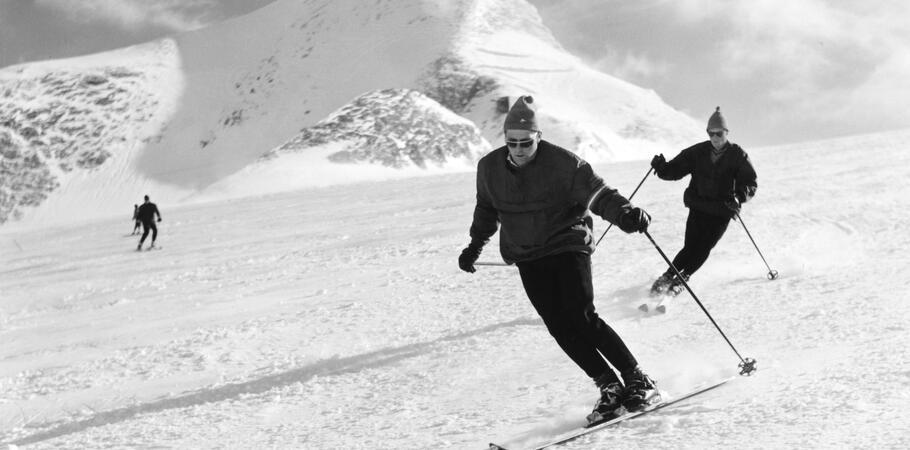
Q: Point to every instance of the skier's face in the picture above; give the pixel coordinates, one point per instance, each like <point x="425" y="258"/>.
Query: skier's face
<point x="718" y="137"/>
<point x="522" y="145"/>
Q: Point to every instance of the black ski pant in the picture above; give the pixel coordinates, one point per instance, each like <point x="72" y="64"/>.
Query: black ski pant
<point x="703" y="231"/>
<point x="146" y="226"/>
<point x="560" y="288"/>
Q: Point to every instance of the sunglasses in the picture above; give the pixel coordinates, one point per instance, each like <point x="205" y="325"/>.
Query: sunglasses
<point x="716" y="133"/>
<point x="523" y="144"/>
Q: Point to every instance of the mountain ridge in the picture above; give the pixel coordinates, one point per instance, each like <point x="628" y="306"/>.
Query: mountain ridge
<point x="206" y="104"/>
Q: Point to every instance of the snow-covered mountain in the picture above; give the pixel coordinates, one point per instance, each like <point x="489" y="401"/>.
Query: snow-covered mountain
<point x="173" y="118"/>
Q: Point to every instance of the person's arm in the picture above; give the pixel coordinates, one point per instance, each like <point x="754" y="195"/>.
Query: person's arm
<point x="486" y="219"/>
<point x="608" y="203"/>
<point x="158" y="213"/>
<point x="483" y="226"/>
<point x="745" y="180"/>
<point x="683" y="164"/>
<point x="589" y="189"/>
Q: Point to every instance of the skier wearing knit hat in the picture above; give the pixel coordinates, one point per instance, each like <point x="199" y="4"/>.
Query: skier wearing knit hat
<point x="722" y="180"/>
<point x="540" y="196"/>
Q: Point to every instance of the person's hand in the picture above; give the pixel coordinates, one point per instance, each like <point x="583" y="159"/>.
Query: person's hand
<point x="634" y="220"/>
<point x="468" y="257"/>
<point x="658" y="162"/>
<point x="159" y="219"/>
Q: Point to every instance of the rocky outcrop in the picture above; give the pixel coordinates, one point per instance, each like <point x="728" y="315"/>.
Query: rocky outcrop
<point x="394" y="128"/>
<point x="59" y="122"/>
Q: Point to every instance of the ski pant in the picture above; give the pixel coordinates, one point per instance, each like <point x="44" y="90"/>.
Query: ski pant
<point x="560" y="288"/>
<point x="146" y="226"/>
<point x="703" y="231"/>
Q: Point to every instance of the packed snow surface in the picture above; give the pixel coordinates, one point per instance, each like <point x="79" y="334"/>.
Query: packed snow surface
<point x="336" y="317"/>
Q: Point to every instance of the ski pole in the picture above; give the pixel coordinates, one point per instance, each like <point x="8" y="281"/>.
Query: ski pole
<point x="491" y="263"/>
<point x="746" y="365"/>
<point x="772" y="274"/>
<point x="630" y="198"/>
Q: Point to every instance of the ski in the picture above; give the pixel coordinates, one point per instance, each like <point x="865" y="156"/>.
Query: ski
<point x="576" y="433"/>
<point x="660" y="307"/>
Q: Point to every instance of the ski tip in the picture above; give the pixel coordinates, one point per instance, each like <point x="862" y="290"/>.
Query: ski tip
<point x="496" y="447"/>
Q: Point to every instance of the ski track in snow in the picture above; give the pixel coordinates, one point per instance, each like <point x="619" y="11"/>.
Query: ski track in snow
<point x="337" y="317"/>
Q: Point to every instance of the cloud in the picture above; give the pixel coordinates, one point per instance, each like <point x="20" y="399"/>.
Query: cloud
<point x="172" y="15"/>
<point x="630" y="65"/>
<point x="830" y="62"/>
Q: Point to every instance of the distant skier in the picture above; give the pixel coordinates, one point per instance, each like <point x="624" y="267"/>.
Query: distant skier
<point x="136" y="220"/>
<point x="722" y="180"/>
<point x="146" y="214"/>
<point x="541" y="194"/>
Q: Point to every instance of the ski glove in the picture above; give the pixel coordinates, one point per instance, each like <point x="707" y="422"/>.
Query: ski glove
<point x="469" y="256"/>
<point x="634" y="219"/>
<point x="658" y="163"/>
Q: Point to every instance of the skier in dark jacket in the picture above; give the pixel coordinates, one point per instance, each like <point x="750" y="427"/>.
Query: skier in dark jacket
<point x="137" y="222"/>
<point x="539" y="196"/>
<point x="722" y="180"/>
<point x="146" y="215"/>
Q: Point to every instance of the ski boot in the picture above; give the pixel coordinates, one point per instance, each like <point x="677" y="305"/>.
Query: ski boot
<point x="662" y="283"/>
<point x="139" y="247"/>
<point x="609" y="406"/>
<point x="640" y="390"/>
<point x="676" y="285"/>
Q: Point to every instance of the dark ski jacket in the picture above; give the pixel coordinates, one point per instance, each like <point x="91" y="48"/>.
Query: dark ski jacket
<point x="147" y="212"/>
<point x="543" y="206"/>
<point x="713" y="183"/>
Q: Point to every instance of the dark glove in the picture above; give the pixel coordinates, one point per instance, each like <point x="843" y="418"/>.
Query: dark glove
<point x="468" y="257"/>
<point x="635" y="219"/>
<point x="658" y="162"/>
<point x="159" y="219"/>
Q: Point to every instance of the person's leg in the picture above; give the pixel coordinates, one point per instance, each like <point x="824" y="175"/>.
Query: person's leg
<point x="154" y="232"/>
<point x="689" y="242"/>
<point x="573" y="271"/>
<point x="707" y="231"/>
<point x="145" y="233"/>
<point x="541" y="282"/>
<point x="575" y="284"/>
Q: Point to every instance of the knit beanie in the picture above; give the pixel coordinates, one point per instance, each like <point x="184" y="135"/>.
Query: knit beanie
<point x="521" y="116"/>
<point x="717" y="120"/>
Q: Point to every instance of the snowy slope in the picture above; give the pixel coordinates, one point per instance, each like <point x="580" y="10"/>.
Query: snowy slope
<point x="73" y="129"/>
<point x="391" y="133"/>
<point x="206" y="105"/>
<point x="336" y="318"/>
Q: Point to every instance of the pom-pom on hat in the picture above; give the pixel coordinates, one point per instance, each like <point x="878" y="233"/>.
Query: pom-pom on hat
<point x="717" y="120"/>
<point x="521" y="116"/>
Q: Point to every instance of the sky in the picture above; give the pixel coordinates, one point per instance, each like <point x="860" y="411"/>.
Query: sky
<point x="781" y="71"/>
<point x="49" y="29"/>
